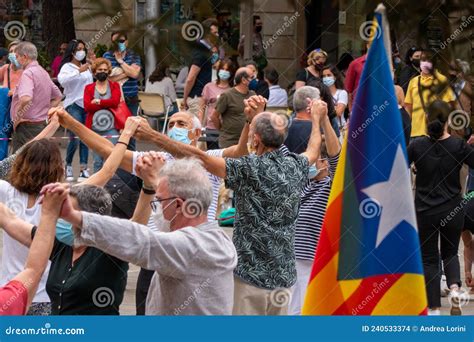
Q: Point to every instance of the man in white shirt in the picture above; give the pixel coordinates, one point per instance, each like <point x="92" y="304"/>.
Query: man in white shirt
<point x="193" y="261"/>
<point x="278" y="96"/>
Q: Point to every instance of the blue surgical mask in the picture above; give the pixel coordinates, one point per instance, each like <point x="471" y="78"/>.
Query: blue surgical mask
<point x="313" y="171"/>
<point x="224" y="74"/>
<point x="179" y="134"/>
<point x="12" y="59"/>
<point x="253" y="84"/>
<point x="121" y="47"/>
<point x="214" y="58"/>
<point x="329" y="81"/>
<point x="64" y="232"/>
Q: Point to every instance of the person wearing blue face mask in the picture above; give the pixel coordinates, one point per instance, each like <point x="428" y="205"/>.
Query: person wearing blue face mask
<point x="130" y="62"/>
<point x="11" y="72"/>
<point x="332" y="80"/>
<point x="257" y="82"/>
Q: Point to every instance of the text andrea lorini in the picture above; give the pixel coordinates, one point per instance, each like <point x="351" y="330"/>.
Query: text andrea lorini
<point x="443" y="328"/>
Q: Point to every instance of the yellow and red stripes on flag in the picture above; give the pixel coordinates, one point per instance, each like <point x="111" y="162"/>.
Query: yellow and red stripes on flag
<point x="392" y="294"/>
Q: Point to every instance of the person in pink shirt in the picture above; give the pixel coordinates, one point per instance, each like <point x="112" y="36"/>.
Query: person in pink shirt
<point x="17" y="294"/>
<point x="34" y="95"/>
<point x="56" y="64"/>
<point x="210" y="94"/>
<point x="10" y="73"/>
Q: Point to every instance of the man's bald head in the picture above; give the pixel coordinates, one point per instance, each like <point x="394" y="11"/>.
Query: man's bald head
<point x="242" y="74"/>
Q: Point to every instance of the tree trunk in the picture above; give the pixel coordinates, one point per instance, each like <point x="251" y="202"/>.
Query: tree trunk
<point x="58" y="24"/>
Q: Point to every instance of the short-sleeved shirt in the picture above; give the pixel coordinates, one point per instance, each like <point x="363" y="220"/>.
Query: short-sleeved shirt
<point x="341" y="96"/>
<point x="298" y="135"/>
<point x="305" y="76"/>
<point x="201" y="57"/>
<point x="418" y="115"/>
<point x="267" y="191"/>
<point x="438" y="164"/>
<point x="231" y="108"/>
<point x="36" y="83"/>
<point x="94" y="285"/>
<point x="130" y="88"/>
<point x="314" y="199"/>
<point x="13" y="299"/>
<point x="211" y="94"/>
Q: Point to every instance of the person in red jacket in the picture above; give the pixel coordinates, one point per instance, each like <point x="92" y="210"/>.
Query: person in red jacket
<point x="100" y="98"/>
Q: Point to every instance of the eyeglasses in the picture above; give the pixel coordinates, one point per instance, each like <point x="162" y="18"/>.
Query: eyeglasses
<point x="154" y="203"/>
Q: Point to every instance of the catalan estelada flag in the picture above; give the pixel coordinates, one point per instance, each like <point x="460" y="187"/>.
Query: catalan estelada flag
<point x="368" y="258"/>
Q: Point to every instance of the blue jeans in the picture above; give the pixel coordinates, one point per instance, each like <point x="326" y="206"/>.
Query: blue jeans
<point x="98" y="161"/>
<point x="79" y="114"/>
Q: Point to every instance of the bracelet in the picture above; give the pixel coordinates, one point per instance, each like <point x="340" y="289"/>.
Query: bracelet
<point x="148" y="191"/>
<point x="121" y="142"/>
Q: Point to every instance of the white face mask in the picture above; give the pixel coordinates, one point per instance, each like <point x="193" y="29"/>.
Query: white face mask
<point x="80" y="55"/>
<point x="161" y="223"/>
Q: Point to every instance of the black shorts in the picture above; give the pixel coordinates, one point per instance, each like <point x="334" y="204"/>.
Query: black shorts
<point x="469" y="216"/>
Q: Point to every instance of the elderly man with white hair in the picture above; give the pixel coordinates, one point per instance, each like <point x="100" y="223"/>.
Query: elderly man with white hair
<point x="267" y="185"/>
<point x="192" y="259"/>
<point x="34" y="95"/>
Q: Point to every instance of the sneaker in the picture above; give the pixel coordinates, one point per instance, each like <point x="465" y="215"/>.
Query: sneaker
<point x="83" y="175"/>
<point x="435" y="312"/>
<point x="69" y="174"/>
<point x="444" y="287"/>
<point x="457" y="298"/>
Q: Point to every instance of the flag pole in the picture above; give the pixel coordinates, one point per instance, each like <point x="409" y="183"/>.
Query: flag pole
<point x="382" y="10"/>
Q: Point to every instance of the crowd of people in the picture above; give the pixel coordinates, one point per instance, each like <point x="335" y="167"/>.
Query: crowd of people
<point x="64" y="244"/>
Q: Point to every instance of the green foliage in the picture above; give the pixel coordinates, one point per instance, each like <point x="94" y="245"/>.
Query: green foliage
<point x="100" y="49"/>
<point x="43" y="59"/>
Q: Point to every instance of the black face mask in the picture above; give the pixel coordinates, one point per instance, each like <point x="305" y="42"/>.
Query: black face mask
<point x="101" y="76"/>
<point x="416" y="62"/>
<point x="258" y="29"/>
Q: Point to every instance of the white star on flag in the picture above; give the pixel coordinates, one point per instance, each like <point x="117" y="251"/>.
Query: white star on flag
<point x="394" y="197"/>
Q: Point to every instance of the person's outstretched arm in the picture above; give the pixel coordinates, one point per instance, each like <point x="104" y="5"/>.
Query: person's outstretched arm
<point x="94" y="141"/>
<point x="333" y="146"/>
<point x="42" y="244"/>
<point x="115" y="158"/>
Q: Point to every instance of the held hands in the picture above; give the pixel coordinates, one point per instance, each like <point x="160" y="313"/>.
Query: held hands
<point x="53" y="197"/>
<point x="131" y="126"/>
<point x="60" y="115"/>
<point x="254" y="105"/>
<point x="144" y="131"/>
<point x="148" y="166"/>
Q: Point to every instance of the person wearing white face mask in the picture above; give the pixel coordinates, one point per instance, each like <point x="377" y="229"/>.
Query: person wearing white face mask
<point x="423" y="90"/>
<point x="210" y="94"/>
<point x="332" y="80"/>
<point x="73" y="76"/>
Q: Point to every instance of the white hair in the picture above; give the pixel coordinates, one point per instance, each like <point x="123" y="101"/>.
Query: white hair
<point x="27" y="49"/>
<point x="188" y="180"/>
<point x="301" y="95"/>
